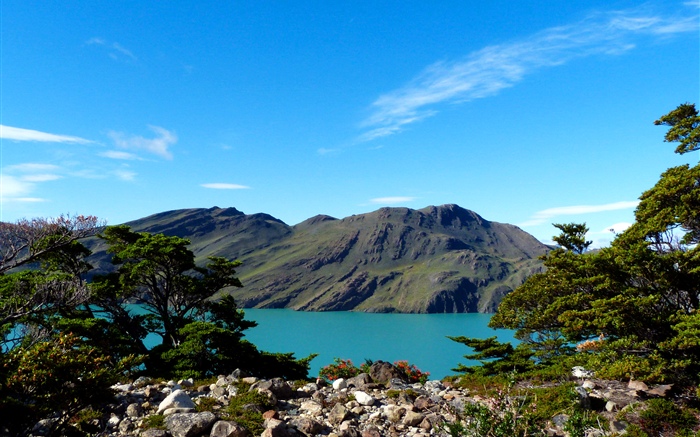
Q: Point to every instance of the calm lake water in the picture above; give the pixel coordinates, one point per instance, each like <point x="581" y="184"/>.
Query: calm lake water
<point x="419" y="338"/>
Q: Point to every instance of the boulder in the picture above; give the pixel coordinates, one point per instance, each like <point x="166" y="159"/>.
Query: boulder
<point x="337" y="414"/>
<point x="277" y="386"/>
<point x="339" y="384"/>
<point x="363" y="398"/>
<point x="189" y="424"/>
<point x="384" y="372"/>
<point x="228" y="428"/>
<point x="178" y="400"/>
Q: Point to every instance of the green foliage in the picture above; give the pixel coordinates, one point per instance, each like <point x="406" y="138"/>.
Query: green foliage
<point x="628" y="310"/>
<point x="685" y="127"/>
<point x="239" y="408"/>
<point x="73" y="341"/>
<point x="508" y="416"/>
<point x="59" y="378"/>
<point x="496" y="357"/>
<point x="572" y="237"/>
<point x="662" y="416"/>
<point x="154" y="421"/>
<point x="580" y="421"/>
<point x="201" y="336"/>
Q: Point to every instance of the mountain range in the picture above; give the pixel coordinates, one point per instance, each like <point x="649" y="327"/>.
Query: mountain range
<point x="439" y="259"/>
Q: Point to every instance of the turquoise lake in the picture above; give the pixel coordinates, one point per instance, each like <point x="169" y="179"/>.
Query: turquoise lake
<point x="419" y="338"/>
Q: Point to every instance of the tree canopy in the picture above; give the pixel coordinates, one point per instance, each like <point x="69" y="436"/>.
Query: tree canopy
<point x="627" y="310"/>
<point x="65" y="342"/>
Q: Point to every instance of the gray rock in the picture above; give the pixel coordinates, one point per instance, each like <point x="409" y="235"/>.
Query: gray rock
<point x="560" y="420"/>
<point x="189" y="424"/>
<point x="412" y="418"/>
<point x="383" y="372"/>
<point x="661" y="390"/>
<point x="359" y="381"/>
<point x="637" y="385"/>
<point x="618" y="426"/>
<point x="134" y="410"/>
<point x="590" y="385"/>
<point x="228" y="428"/>
<point x="434" y="386"/>
<point x="393" y="413"/>
<point x="583" y="398"/>
<point x="311" y="407"/>
<point x="337" y="414"/>
<point x="277" y="386"/>
<point x="126" y="425"/>
<point x="306" y="425"/>
<point x="153" y="432"/>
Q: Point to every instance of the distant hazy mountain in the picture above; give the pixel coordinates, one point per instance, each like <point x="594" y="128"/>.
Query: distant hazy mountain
<point x="433" y="260"/>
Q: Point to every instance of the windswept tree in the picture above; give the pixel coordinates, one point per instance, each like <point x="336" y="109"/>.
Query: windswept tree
<point x="53" y="245"/>
<point x="159" y="289"/>
<point x="631" y="309"/>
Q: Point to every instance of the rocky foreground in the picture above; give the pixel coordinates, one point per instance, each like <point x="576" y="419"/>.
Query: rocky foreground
<point x="357" y="407"/>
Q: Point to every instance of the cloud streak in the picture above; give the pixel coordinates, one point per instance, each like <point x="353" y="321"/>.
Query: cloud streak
<point x="158" y="146"/>
<point x="20" y="134"/>
<point x="392" y="200"/>
<point x="547" y="215"/>
<point x="224" y="186"/>
<point x="20" y="180"/>
<point x="116" y="50"/>
<point x="485" y="72"/>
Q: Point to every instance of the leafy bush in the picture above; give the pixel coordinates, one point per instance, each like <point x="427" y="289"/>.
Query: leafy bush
<point x="244" y="408"/>
<point x="55" y="378"/>
<point x="662" y="416"/>
<point x="411" y="372"/>
<point x="341" y="368"/>
<point x="508" y="417"/>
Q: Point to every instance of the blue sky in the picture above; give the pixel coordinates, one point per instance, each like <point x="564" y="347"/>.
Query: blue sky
<point x="528" y="113"/>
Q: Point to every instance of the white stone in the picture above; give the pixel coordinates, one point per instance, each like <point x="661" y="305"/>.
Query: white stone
<point x="177" y="399"/>
<point x="363" y="398"/>
<point x="113" y="421"/>
<point x="339" y="384"/>
<point x="312" y="407"/>
<point x="580" y="372"/>
<point x="186" y="382"/>
<point x="123" y="387"/>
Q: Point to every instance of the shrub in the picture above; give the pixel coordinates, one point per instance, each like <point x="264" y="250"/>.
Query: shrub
<point x="339" y="369"/>
<point x="411" y="372"/>
<point x="55" y="378"/>
<point x="663" y="416"/>
<point x="241" y="408"/>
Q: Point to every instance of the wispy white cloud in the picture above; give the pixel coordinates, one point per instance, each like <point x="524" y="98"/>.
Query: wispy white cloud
<point x="117" y="154"/>
<point x="546" y="215"/>
<point x="391" y="200"/>
<point x="41" y="177"/>
<point x="224" y="186"/>
<point x="18" y="186"/>
<point x="125" y="175"/>
<point x="19" y="134"/>
<point x="486" y="72"/>
<point x="325" y="151"/>
<point x="157" y="146"/>
<point x="32" y="167"/>
<point x="116" y="51"/>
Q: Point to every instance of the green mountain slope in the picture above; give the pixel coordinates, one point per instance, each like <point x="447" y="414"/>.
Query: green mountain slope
<point x="436" y="259"/>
